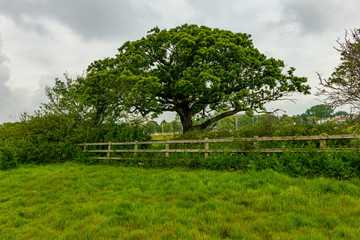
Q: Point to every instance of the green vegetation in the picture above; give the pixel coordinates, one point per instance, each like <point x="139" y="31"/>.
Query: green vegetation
<point x="74" y="201"/>
<point x="7" y="159"/>
<point x="206" y="76"/>
<point x="268" y="127"/>
<point x="195" y="71"/>
<point x="320" y="111"/>
<point x="311" y="164"/>
<point x="53" y="138"/>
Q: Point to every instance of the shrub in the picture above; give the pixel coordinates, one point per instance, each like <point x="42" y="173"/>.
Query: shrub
<point x="54" y="138"/>
<point x="7" y="159"/>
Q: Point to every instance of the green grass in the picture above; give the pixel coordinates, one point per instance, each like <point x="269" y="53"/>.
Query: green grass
<point x="162" y="137"/>
<point x="74" y="201"/>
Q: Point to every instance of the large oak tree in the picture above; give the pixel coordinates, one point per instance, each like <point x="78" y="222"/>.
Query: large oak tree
<point x="190" y="70"/>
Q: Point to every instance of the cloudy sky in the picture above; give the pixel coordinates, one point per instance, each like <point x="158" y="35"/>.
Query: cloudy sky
<point x="40" y="40"/>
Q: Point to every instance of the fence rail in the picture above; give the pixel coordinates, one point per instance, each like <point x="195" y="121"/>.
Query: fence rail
<point x="206" y="147"/>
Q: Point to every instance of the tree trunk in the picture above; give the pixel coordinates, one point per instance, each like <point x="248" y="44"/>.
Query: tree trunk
<point x="215" y="119"/>
<point x="186" y="121"/>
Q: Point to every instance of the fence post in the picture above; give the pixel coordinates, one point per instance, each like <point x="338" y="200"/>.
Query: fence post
<point x="256" y="143"/>
<point x="206" y="147"/>
<point x="84" y="147"/>
<point x="167" y="149"/>
<point x="136" y="147"/>
<point x="109" y="150"/>
<point x="322" y="143"/>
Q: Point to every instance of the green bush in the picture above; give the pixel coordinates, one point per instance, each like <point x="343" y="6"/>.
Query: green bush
<point x="55" y="138"/>
<point x="270" y="130"/>
<point x="336" y="165"/>
<point x="7" y="159"/>
<point x="342" y="165"/>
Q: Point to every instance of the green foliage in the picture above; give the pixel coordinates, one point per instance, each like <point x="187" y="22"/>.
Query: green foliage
<point x="89" y="98"/>
<point x="309" y="164"/>
<point x="340" y="165"/>
<point x="193" y="71"/>
<point x="286" y="120"/>
<point x="166" y="127"/>
<point x="150" y="127"/>
<point x="268" y="127"/>
<point x="176" y="126"/>
<point x="320" y="111"/>
<point x="7" y="158"/>
<point x="53" y="138"/>
<point x="341" y="113"/>
<point x="343" y="165"/>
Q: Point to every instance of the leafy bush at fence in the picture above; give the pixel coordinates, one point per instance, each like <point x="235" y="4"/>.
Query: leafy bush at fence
<point x="54" y="138"/>
<point x="310" y="164"/>
<point x="7" y="158"/>
<point x="328" y="128"/>
<point x="341" y="165"/>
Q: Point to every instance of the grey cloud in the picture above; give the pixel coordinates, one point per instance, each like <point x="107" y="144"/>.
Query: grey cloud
<point x="313" y="17"/>
<point x="4" y="71"/>
<point x="91" y="19"/>
<point x="5" y="97"/>
<point x="238" y="15"/>
<point x="14" y="101"/>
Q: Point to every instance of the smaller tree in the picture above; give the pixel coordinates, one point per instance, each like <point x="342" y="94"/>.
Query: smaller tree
<point x="299" y="118"/>
<point x="286" y="120"/>
<point x="243" y="120"/>
<point x="341" y="113"/>
<point x="176" y="126"/>
<point x="150" y="127"/>
<point x="267" y="124"/>
<point x="320" y="111"/>
<point x="166" y="127"/>
<point x="343" y="87"/>
<point x="90" y="98"/>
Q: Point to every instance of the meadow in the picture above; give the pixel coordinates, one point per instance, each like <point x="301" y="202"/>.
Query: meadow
<point x="77" y="201"/>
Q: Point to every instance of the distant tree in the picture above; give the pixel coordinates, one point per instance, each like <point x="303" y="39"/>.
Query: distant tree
<point x="320" y="111"/>
<point x="267" y="123"/>
<point x="343" y="87"/>
<point x="160" y="127"/>
<point x="236" y="121"/>
<point x="150" y="127"/>
<point x="176" y="126"/>
<point x="267" y="118"/>
<point x="299" y="118"/>
<point x="244" y="120"/>
<point x="225" y="124"/>
<point x="341" y="113"/>
<point x="285" y="119"/>
<point x="166" y="127"/>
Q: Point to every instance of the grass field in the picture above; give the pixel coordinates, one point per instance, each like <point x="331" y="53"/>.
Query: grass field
<point x="74" y="201"/>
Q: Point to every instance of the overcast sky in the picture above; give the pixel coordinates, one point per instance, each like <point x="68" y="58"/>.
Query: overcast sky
<point x="42" y="39"/>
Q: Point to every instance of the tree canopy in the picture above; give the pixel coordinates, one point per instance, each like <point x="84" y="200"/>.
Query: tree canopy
<point x="191" y="70"/>
<point x="343" y="87"/>
<point x="341" y="113"/>
<point x="320" y="111"/>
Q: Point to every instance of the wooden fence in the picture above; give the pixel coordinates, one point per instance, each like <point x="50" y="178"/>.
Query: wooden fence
<point x="110" y="149"/>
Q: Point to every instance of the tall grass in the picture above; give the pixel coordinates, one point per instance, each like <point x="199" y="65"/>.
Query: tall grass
<point x="74" y="201"/>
